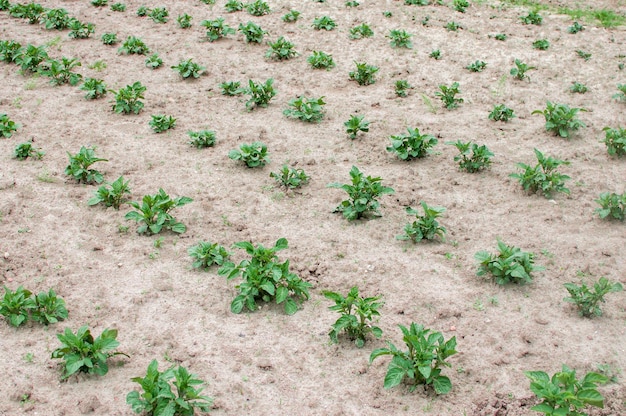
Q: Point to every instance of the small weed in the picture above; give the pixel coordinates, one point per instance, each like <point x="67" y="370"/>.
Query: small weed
<point x="253" y="154"/>
<point x="364" y="74"/>
<point x="413" y="145"/>
<point x="614" y="139"/>
<point x="588" y="301"/>
<point x="426" y="227"/>
<point x="472" y="158"/>
<point x="290" y="178"/>
<point x="509" y="265"/>
<point x="310" y="110"/>
<point x="448" y="95"/>
<point x="561" y="119"/>
<point x="79" y="167"/>
<point x="612" y="206"/>
<point x="112" y="194"/>
<point x="356" y="124"/>
<point x="202" y="138"/>
<point x="543" y="177"/>
<point x="501" y="112"/>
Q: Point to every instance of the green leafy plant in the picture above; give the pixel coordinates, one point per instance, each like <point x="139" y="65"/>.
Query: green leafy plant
<point x="579" y="88"/>
<point x="232" y="88"/>
<point x="16" y="306"/>
<point x="361" y="31"/>
<point x="509" y="265"/>
<point x="582" y="54"/>
<point x="500" y="36"/>
<point x="154" y="213"/>
<point x="253" y="154"/>
<point x="413" y="145"/>
<point x="205" y="254"/>
<point x="352" y="3"/>
<point x="612" y="206"/>
<point x="232" y="6"/>
<point x="324" y="22"/>
<point x="453" y="26"/>
<point x="7" y="126"/>
<point x="60" y="72"/>
<point x="82" y="353"/>
<point x="417" y="2"/>
<point x="109" y="38"/>
<point x="29" y="57"/>
<point x="280" y="50"/>
<point x="252" y="32"/>
<point x="159" y="14"/>
<point x="187" y="68"/>
<point x="112" y="194"/>
<point x="321" y="60"/>
<point x="422" y="362"/>
<point x="49" y="308"/>
<point x="9" y="50"/>
<point x="133" y="45"/>
<point x="400" y="39"/>
<point x="621" y="95"/>
<point x="477" y="66"/>
<point x="364" y="74"/>
<point x="532" y="18"/>
<point x="290" y="178"/>
<point x="128" y="99"/>
<point x="355" y="124"/>
<point x="460" y="5"/>
<point x="160" y="123"/>
<point x="435" y="54"/>
<point x="448" y="95"/>
<point x="575" y="28"/>
<point x="362" y="193"/>
<point x="154" y="61"/>
<point x="426" y="227"/>
<point x="158" y="398"/>
<point x="80" y="30"/>
<point x="561" y="119"/>
<point x="94" y="88"/>
<point x="588" y="301"/>
<point x="472" y="157"/>
<point x="401" y="87"/>
<point x="184" y="21"/>
<point x="501" y="112"/>
<point x="387" y="14"/>
<point x="310" y="110"/>
<point x="25" y="150"/>
<point x="258" y="8"/>
<point x="543" y="177"/>
<point x="56" y="19"/>
<point x="564" y="394"/>
<point x="541" y="44"/>
<point x="291" y="17"/>
<point x="79" y="167"/>
<point x="520" y="70"/>
<point x="99" y="3"/>
<point x="260" y="93"/>
<point x="216" y="29"/>
<point x="142" y="11"/>
<point x="614" y="139"/>
<point x="118" y="7"/>
<point x="202" y="138"/>
<point x="265" y="279"/>
<point x="357" y="314"/>
<point x="32" y="12"/>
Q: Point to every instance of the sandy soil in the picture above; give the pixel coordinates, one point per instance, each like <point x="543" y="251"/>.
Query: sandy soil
<point x="265" y="362"/>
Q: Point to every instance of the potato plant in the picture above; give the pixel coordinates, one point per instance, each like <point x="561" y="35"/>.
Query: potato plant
<point x="80" y="166"/>
<point x="118" y="7"/>
<point x="202" y="138"/>
<point x="60" y="72"/>
<point x="460" y="5"/>
<point x="357" y="315"/>
<point x="362" y="193"/>
<point x="153" y="213"/>
<point x="253" y="154"/>
<point x="401" y="88"/>
<point x="49" y="308"/>
<point x="7" y="126"/>
<point x="80" y="30"/>
<point x="413" y="145"/>
<point x="252" y="32"/>
<point x="157" y="397"/>
<point x="575" y="28"/>
<point x="216" y="29"/>
<point x="509" y="265"/>
<point x="532" y="18"/>
<point x="612" y="206"/>
<point x="55" y="19"/>
<point x="321" y="60"/>
<point x="128" y="99"/>
<point x="187" y="68"/>
<point x="27" y="149"/>
<point x="578" y="88"/>
<point x="447" y="94"/>
<point x="109" y="39"/>
<point x="290" y="178"/>
<point x="501" y="112"/>
<point x="400" y="38"/>
<point x="361" y="31"/>
<point x="587" y="301"/>
<point x="184" y="21"/>
<point x="232" y="88"/>
<point x="476" y="66"/>
<point x="16" y="305"/>
<point x="29" y="57"/>
<point x="324" y="23"/>
<point x="133" y="46"/>
<point x="265" y="279"/>
<point x="31" y="12"/>
<point x="472" y="158"/>
<point x="94" y="88"/>
<point x="435" y="54"/>
<point x="291" y="16"/>
<point x="205" y="254"/>
<point x="355" y="124"/>
<point x="112" y="194"/>
<point x="423" y="360"/>
<point x="142" y="11"/>
<point x="310" y="110"/>
<point x="153" y="61"/>
<point x="258" y="8"/>
<point x="159" y="14"/>
<point x="260" y="93"/>
<point x="160" y="123"/>
<point x="233" y="6"/>
<point x="281" y="50"/>
<point x="9" y="50"/>
<point x="621" y="95"/>
<point x="364" y="73"/>
<point x="519" y="72"/>
<point x="561" y="119"/>
<point x="584" y="55"/>
<point x="426" y="226"/>
<point x="541" y="44"/>
<point x="543" y="177"/>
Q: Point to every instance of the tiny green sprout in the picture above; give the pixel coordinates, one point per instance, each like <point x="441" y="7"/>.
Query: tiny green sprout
<point x="621" y="95"/>
<point x="435" y="54"/>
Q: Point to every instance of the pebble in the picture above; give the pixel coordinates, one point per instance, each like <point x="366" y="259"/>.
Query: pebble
<point x="6" y="255"/>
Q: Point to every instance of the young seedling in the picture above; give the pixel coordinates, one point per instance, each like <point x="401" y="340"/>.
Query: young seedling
<point x="621" y="95"/>
<point x="321" y="60"/>
<point x="205" y="254"/>
<point x="253" y="154"/>
<point x="187" y="68"/>
<point x="82" y="353"/>
<point x="118" y="7"/>
<point x="579" y="88"/>
<point x="362" y="193"/>
<point x="357" y="314"/>
<point x="291" y="16"/>
<point x="435" y="54"/>
<point x="80" y="30"/>
<point x="543" y="177"/>
<point x="564" y="394"/>
<point x="252" y="32"/>
<point x="25" y="150"/>
<point x="364" y="74"/>
<point x="233" y="6"/>
<point x="99" y="3"/>
<point x="280" y="50"/>
<point x="49" y="308"/>
<point x="426" y="227"/>
<point x="142" y="11"/>
<point x="520" y="70"/>
<point x="133" y="45"/>
<point x="453" y="26"/>
<point x="588" y="301"/>
<point x="109" y="39"/>
<point x="202" y="138"/>
<point x="112" y="194"/>
<point x="184" y="21"/>
<point x="159" y="15"/>
<point x="575" y="28"/>
<point x="324" y="22"/>
<point x="361" y="31"/>
<point x="422" y="362"/>
<point x="460" y="5"/>
<point x="541" y="44"/>
<point x="265" y="279"/>
<point x="79" y="167"/>
<point x="400" y="39"/>
<point x="476" y="66"/>
<point x="448" y="95"/>
<point x="290" y="178"/>
<point x="158" y="398"/>
<point x="154" y="61"/>
<point x="472" y="158"/>
<point x="532" y="18"/>
<point x="7" y="126"/>
<point x="582" y="54"/>
<point x="612" y="206"/>
<point x="509" y="265"/>
<point x="258" y="8"/>
<point x="216" y="29"/>
<point x="614" y="139"/>
<point x="16" y="306"/>
<point x="561" y="119"/>
<point x="401" y="88"/>
<point x="55" y="19"/>
<point x="232" y="88"/>
<point x="154" y="213"/>
<point x="501" y="112"/>
<point x="260" y="94"/>
<point x="356" y="124"/>
<point x="500" y="36"/>
<point x="413" y="145"/>
<point x="60" y="72"/>
<point x="127" y="99"/>
<point x="310" y="110"/>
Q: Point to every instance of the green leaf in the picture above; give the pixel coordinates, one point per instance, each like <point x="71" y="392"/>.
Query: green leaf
<point x="394" y="376"/>
<point x="591" y="397"/>
<point x="237" y="304"/>
<point x="291" y="306"/>
<point x="442" y="384"/>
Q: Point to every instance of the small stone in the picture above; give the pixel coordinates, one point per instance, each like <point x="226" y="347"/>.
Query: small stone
<point x="453" y="328"/>
<point x="6" y="255"/>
